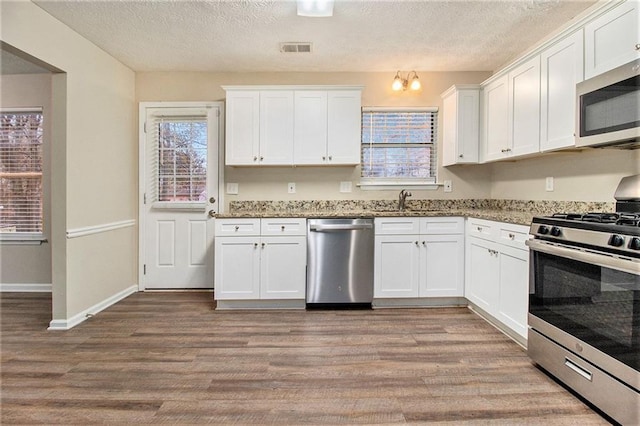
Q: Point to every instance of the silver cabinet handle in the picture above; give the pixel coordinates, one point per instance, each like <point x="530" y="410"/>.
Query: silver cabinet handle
<point x="479" y="229"/>
<point x="261" y="158"/>
<point x="282" y="228"/>
<point x="417" y="244"/>
<point x="637" y="46"/>
<point x="255" y="245"/>
<point x="424" y="243"/>
<point x="263" y="244"/>
<point x="330" y="158"/>
<point x="237" y="227"/>
<point x="324" y="158"/>
<point x="460" y="156"/>
<point x="512" y="236"/>
<point x="255" y="158"/>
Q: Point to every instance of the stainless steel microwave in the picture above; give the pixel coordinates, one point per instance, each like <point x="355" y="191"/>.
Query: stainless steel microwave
<point x="608" y="109"/>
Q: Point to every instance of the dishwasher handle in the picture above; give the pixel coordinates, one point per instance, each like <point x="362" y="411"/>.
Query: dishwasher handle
<point x="340" y="227"/>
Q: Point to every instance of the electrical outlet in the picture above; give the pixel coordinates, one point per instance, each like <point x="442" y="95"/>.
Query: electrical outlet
<point x="345" y="186"/>
<point x="448" y="187"/>
<point x="548" y="185"/>
<point x="232" y="188"/>
<point x="291" y="188"/>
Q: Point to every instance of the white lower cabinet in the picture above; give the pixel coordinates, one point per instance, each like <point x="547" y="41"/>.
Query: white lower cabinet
<point x="268" y="264"/>
<point x="419" y="257"/>
<point x="497" y="272"/>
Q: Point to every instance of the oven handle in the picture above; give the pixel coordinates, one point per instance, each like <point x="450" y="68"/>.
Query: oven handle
<point x="599" y="259"/>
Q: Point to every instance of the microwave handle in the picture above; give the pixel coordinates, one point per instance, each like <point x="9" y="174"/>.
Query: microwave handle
<point x="599" y="259"/>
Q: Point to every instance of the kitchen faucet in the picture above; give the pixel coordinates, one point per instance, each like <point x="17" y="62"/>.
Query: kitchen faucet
<point x="402" y="198"/>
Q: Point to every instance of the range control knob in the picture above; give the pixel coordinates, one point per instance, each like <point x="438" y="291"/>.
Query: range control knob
<point x="634" y="243"/>
<point x="544" y="230"/>
<point x="616" y="240"/>
<point x="556" y="232"/>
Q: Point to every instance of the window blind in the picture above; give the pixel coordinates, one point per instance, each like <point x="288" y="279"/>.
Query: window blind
<point x="176" y="156"/>
<point x="21" y="158"/>
<point x="399" y="144"/>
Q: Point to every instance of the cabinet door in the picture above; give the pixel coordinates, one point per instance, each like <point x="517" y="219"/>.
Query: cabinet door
<point x="442" y="266"/>
<point x="461" y="127"/>
<point x="496" y="119"/>
<point x="482" y="275"/>
<point x="561" y="70"/>
<point x="310" y="127"/>
<point x="283" y="266"/>
<point x="344" y="126"/>
<point x="237" y="268"/>
<point x="397" y="266"/>
<point x="514" y="289"/>
<point x="242" y="127"/>
<point x="524" y="108"/>
<point x="276" y="127"/>
<point x="612" y="39"/>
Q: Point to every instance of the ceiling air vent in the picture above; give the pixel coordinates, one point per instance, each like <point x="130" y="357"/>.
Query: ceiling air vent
<point x="295" y="47"/>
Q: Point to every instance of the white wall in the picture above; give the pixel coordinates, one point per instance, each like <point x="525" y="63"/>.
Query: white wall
<point x="21" y="265"/>
<point x="588" y="175"/>
<point x="94" y="162"/>
<point x="319" y="182"/>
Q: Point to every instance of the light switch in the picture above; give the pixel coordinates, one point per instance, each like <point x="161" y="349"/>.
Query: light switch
<point x="291" y="188"/>
<point x="548" y="185"/>
<point x="448" y="187"/>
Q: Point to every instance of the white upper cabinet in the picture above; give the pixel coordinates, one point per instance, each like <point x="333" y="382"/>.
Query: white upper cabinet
<point x="512" y="113"/>
<point x="496" y="118"/>
<point x="276" y="127"/>
<point x="561" y="70"/>
<point x="460" y="125"/>
<point x="344" y="126"/>
<point x="613" y="39"/>
<point x="293" y="125"/>
<point x="310" y="127"/>
<point x="243" y="127"/>
<point x="524" y="108"/>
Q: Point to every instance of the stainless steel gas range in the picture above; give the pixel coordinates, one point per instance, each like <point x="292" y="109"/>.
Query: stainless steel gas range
<point x="584" y="302"/>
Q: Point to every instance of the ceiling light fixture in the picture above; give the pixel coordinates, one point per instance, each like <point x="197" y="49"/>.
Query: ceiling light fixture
<point x="400" y="83"/>
<point x="315" y="8"/>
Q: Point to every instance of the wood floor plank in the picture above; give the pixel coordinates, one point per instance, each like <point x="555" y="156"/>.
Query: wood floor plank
<point x="170" y="358"/>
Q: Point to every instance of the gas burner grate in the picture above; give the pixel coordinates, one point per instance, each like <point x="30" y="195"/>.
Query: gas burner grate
<point x="601" y="217"/>
<point x="630" y="219"/>
<point x="567" y="216"/>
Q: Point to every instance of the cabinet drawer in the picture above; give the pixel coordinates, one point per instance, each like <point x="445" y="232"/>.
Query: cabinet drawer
<point x="397" y="226"/>
<point x="238" y="227"/>
<point x="283" y="226"/>
<point x="442" y="226"/>
<point x="481" y="228"/>
<point x="513" y="235"/>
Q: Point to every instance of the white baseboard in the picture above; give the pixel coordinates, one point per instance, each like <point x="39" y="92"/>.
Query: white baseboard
<point x="26" y="288"/>
<point x="82" y="316"/>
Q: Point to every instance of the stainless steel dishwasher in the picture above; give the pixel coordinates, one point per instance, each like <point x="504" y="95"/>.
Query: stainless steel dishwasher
<point x="340" y="263"/>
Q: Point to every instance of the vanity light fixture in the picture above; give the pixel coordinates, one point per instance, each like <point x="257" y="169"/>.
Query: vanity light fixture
<point x="315" y="8"/>
<point x="400" y="83"/>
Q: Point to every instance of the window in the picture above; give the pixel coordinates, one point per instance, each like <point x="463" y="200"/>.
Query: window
<point x="21" y="173"/>
<point x="182" y="153"/>
<point x="399" y="145"/>
<point x="177" y="157"/>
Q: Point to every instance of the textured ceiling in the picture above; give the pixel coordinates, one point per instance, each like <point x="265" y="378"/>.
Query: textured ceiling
<point x="363" y="35"/>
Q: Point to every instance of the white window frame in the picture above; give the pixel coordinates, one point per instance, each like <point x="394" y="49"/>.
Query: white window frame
<point x="26" y="238"/>
<point x="394" y="184"/>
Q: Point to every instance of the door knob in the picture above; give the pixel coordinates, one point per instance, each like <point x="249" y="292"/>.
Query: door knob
<point x="212" y="213"/>
<point x="212" y="200"/>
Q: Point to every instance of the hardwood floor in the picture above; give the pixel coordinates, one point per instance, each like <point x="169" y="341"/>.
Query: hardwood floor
<point x="170" y="358"/>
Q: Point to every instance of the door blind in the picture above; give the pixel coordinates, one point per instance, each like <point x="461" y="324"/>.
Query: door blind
<point x="21" y="158"/>
<point x="176" y="156"/>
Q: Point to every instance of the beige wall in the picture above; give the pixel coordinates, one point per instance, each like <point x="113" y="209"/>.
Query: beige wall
<point x="588" y="175"/>
<point x="94" y="165"/>
<point x="319" y="182"/>
<point x="30" y="264"/>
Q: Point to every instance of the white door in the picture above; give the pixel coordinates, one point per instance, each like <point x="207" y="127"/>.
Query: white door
<point x="179" y="183"/>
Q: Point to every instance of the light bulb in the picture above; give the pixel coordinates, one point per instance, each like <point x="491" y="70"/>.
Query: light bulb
<point x="415" y="84"/>
<point x="397" y="84"/>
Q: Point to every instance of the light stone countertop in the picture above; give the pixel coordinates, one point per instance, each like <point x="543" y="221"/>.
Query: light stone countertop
<point x="519" y="212"/>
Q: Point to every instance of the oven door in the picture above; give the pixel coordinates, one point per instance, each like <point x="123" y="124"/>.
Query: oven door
<point x="588" y="302"/>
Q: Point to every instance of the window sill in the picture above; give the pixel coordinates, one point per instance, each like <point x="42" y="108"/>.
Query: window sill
<point x="396" y="185"/>
<point x="22" y="240"/>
